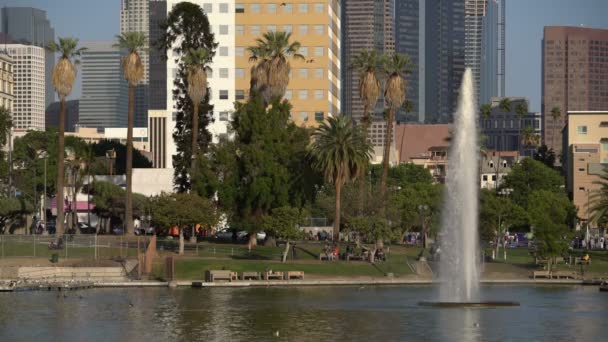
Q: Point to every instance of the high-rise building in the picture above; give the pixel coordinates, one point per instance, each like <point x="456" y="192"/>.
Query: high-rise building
<point x="158" y="66"/>
<point x="366" y="25"/>
<point x="7" y="97"/>
<point x="29" y="26"/>
<point x="71" y="115"/>
<point x="575" y="76"/>
<point x="135" y="17"/>
<point x="105" y="93"/>
<point x="432" y="33"/>
<point x="29" y="86"/>
<point x="158" y="135"/>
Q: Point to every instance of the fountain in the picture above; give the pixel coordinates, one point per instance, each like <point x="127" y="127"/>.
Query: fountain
<point x="458" y="269"/>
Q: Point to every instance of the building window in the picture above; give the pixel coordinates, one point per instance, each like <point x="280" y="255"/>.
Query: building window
<point x="493" y="178"/>
<point x="318" y="73"/>
<point x="303" y="73"/>
<point x="485" y="178"/>
<point x="303" y="8"/>
<point x="319" y="116"/>
<point x="224" y="116"/>
<point x="223" y="94"/>
<point x="223" y="72"/>
<point x="303" y="29"/>
<point x="209" y="72"/>
<point x="319" y="8"/>
<point x="304" y="116"/>
<point x="287" y="28"/>
<point x="239" y="30"/>
<point x="239" y="94"/>
<point x="255" y="8"/>
<point x="208" y="8"/>
<point x="271" y="8"/>
<point x="287" y="8"/>
<point x="319" y="51"/>
<point x="303" y="50"/>
<point x="223" y="51"/>
<point x="581" y="169"/>
<point x="303" y="94"/>
<point x="223" y="7"/>
<point x="582" y="130"/>
<point x="288" y="94"/>
<point x="239" y="73"/>
<point x="239" y="8"/>
<point x="255" y="30"/>
<point x="318" y="94"/>
<point x="223" y="29"/>
<point x="271" y="28"/>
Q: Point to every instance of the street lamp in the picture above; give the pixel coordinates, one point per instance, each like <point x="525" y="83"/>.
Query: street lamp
<point x="110" y="156"/>
<point x="44" y="155"/>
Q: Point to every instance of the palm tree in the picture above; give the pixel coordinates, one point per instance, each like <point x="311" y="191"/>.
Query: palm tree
<point x="521" y="110"/>
<point x="196" y="61"/>
<point x="341" y="152"/>
<point x="366" y="64"/>
<point x="556" y="113"/>
<point x="270" y="75"/>
<point x="529" y="137"/>
<point x="485" y="110"/>
<point x="63" y="77"/>
<point x="395" y="67"/>
<point x="133" y="72"/>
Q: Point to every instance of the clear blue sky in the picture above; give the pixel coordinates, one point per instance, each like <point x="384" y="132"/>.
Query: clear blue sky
<point x="99" y="20"/>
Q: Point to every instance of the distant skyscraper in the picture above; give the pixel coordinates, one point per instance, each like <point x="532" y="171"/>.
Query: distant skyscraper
<point x="29" y="26"/>
<point x="158" y="66"/>
<point x="104" y="101"/>
<point x="135" y="17"/>
<point x="29" y="86"/>
<point x="575" y="70"/>
<point x="433" y="34"/>
<point x="366" y="25"/>
<point x="71" y="115"/>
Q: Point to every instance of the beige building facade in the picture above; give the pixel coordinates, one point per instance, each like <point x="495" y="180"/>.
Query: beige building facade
<point x="314" y="86"/>
<point x="586" y="143"/>
<point x="6" y="78"/>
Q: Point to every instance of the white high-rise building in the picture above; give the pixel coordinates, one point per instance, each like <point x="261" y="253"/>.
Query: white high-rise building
<point x="29" y="86"/>
<point x="222" y="77"/>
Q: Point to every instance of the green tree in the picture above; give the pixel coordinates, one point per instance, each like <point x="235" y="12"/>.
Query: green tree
<point x="340" y="152"/>
<point x="528" y="137"/>
<point x="545" y="155"/>
<point x="486" y="110"/>
<point x="599" y="199"/>
<point x="12" y="211"/>
<point x="394" y="67"/>
<point x="552" y="216"/>
<point x="187" y="27"/>
<point x="182" y="209"/>
<point x="5" y="128"/>
<point x="63" y="77"/>
<point x="284" y="223"/>
<point x="196" y="61"/>
<point x="372" y="228"/>
<point x="133" y="72"/>
<point x="109" y="200"/>
<point x="100" y="148"/>
<point x="270" y="74"/>
<point x="530" y="175"/>
<point x="417" y="207"/>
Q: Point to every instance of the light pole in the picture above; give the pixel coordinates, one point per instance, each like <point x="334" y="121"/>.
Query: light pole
<point x="43" y="154"/>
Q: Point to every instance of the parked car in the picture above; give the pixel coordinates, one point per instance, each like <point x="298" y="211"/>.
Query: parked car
<point x="145" y="231"/>
<point x="228" y="234"/>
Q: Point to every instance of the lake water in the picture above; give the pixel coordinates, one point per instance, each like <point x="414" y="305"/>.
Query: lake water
<point x="547" y="313"/>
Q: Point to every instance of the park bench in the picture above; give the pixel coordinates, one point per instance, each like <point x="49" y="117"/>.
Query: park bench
<point x="581" y="261"/>
<point x="294" y="274"/>
<point x="350" y="257"/>
<point x="250" y="276"/>
<point x="564" y="275"/>
<point x="541" y="274"/>
<point x="268" y="275"/>
<point x="324" y="256"/>
<point x="213" y="275"/>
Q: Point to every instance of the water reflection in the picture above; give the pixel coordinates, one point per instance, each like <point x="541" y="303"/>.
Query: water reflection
<point x="298" y="314"/>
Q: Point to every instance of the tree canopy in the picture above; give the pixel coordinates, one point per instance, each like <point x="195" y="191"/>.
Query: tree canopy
<point x="530" y="175"/>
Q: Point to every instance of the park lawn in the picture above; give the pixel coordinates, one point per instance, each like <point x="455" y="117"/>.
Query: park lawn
<point x="40" y="249"/>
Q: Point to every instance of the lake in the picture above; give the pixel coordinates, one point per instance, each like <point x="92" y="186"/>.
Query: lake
<point x="301" y="314"/>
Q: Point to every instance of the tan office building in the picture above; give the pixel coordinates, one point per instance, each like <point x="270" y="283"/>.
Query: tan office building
<point x="314" y="86"/>
<point x="586" y="143"/>
<point x="6" y="81"/>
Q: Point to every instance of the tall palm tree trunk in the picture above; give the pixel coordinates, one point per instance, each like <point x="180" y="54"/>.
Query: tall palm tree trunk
<point x="129" y="170"/>
<point x="338" y="212"/>
<point x="362" y="187"/>
<point x="74" y="204"/>
<point x="194" y="141"/>
<point x="387" y="155"/>
<point x="60" y="229"/>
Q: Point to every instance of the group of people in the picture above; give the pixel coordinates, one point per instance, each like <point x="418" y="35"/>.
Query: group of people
<point x="596" y="242"/>
<point x="412" y="238"/>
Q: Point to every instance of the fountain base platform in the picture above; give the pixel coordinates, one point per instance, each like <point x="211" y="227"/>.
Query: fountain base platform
<point x="493" y="304"/>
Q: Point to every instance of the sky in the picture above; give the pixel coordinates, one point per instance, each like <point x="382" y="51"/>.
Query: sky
<point x="99" y="20"/>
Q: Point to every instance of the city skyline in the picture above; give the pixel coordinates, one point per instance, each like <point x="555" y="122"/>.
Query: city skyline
<point x="525" y="23"/>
